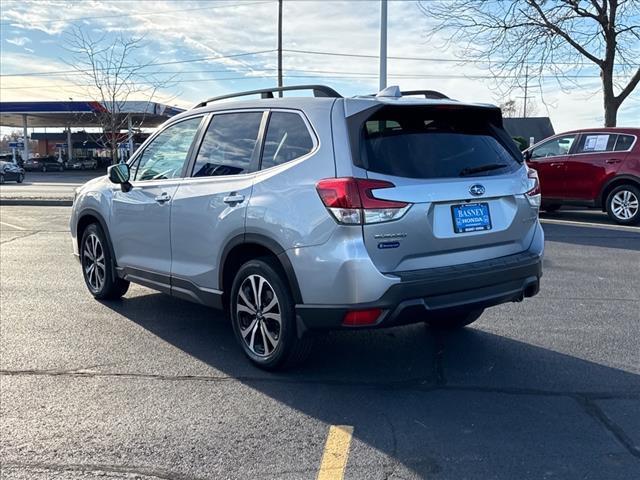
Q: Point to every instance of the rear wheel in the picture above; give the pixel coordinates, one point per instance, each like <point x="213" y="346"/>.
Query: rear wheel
<point x="454" y="320"/>
<point x="263" y="316"/>
<point x="98" y="267"/>
<point x="623" y="205"/>
<point x="44" y="168"/>
<point x="20" y="178"/>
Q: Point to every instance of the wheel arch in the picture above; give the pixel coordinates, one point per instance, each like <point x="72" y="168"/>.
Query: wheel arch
<point x="614" y="182"/>
<point x="243" y="248"/>
<point x="86" y="218"/>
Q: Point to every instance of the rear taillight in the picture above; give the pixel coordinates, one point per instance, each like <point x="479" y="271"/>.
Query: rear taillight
<point x="534" y="194"/>
<point x="351" y="200"/>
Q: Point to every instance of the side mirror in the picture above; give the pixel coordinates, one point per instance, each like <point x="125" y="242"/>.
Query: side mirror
<point x="120" y="174"/>
<point x="527" y="156"/>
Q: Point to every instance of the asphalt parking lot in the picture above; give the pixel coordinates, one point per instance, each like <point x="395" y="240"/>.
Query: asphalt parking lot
<point x="152" y="387"/>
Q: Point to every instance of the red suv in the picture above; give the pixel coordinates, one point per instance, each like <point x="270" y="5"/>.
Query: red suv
<point x="597" y="168"/>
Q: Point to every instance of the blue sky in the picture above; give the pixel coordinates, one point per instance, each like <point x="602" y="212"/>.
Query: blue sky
<point x="32" y="40"/>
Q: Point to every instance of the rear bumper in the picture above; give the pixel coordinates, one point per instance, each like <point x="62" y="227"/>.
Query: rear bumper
<point x="431" y="292"/>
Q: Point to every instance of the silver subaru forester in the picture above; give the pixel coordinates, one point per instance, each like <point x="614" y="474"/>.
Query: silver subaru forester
<point x="302" y="214"/>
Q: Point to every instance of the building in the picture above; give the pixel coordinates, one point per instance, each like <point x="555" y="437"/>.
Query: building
<point x="536" y="128"/>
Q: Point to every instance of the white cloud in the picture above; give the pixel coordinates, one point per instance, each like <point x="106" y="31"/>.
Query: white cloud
<point x="19" y="41"/>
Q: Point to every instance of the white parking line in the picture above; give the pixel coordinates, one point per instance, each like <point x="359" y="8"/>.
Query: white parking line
<point x="625" y="228"/>
<point x="12" y="226"/>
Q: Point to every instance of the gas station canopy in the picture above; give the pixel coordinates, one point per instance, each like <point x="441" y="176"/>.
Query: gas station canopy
<point x="81" y="114"/>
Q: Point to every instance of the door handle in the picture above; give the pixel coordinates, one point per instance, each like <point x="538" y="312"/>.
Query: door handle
<point x="556" y="164"/>
<point x="612" y="160"/>
<point x="233" y="198"/>
<point x="163" y="197"/>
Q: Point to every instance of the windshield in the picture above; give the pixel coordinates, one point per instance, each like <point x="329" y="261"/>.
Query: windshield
<point x="421" y="143"/>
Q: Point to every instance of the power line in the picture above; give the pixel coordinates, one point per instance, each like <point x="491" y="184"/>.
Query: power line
<point x="192" y="60"/>
<point x="141" y="14"/>
<point x="352" y="76"/>
<point x="430" y="59"/>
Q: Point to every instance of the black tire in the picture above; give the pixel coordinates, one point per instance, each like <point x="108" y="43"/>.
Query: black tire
<point x="454" y="320"/>
<point x="20" y="178"/>
<point x="622" y="201"/>
<point x="1" y="179"/>
<point x="554" y="207"/>
<point x="288" y="350"/>
<point x="111" y="287"/>
<point x="61" y="168"/>
<point x="44" y="168"/>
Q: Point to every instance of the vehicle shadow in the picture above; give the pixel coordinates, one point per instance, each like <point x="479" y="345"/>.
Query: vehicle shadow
<point x="431" y="402"/>
<point x="588" y="235"/>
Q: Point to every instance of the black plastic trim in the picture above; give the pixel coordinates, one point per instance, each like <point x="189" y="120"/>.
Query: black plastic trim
<point x="435" y="291"/>
<point x="271" y="245"/>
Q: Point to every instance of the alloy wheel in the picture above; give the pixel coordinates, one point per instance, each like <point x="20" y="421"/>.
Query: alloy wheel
<point x="625" y="205"/>
<point x="258" y="315"/>
<point x="93" y="262"/>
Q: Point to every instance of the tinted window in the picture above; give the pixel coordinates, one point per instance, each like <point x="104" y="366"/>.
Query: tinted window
<point x="228" y="144"/>
<point x="287" y="139"/>
<point x="165" y="156"/>
<point x="425" y="144"/>
<point x="554" y="147"/>
<point x="624" y="143"/>
<point x="596" y="142"/>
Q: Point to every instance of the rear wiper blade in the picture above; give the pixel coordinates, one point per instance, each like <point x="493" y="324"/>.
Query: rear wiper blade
<point x="465" y="172"/>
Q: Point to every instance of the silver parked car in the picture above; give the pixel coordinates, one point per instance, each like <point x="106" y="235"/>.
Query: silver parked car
<point x="303" y="214"/>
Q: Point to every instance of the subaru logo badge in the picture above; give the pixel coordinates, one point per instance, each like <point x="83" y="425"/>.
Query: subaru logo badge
<point x="476" y="190"/>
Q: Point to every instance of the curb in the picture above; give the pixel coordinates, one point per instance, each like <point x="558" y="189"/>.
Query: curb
<point x="37" y="202"/>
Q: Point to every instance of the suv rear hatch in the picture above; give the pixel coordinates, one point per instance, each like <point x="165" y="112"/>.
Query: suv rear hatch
<point x="461" y="175"/>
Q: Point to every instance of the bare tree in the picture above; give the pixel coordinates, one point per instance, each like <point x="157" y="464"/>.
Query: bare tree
<point x="556" y="38"/>
<point x="110" y="71"/>
<point x="515" y="108"/>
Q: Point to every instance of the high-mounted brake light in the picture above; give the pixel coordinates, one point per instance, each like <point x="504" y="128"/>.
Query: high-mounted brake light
<point x="534" y="194"/>
<point x="352" y="201"/>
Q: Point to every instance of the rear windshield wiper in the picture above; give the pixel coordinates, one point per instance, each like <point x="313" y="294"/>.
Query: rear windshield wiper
<point x="465" y="172"/>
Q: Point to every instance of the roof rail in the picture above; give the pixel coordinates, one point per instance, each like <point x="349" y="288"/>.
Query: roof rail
<point x="318" y="91"/>
<point x="433" y="94"/>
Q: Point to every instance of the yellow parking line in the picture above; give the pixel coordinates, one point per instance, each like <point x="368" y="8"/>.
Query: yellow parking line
<point x="336" y="453"/>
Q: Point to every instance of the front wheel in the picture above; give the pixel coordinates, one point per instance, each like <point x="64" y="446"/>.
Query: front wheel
<point x="263" y="316"/>
<point x="623" y="205"/>
<point x="454" y="320"/>
<point x="20" y="178"/>
<point x="98" y="265"/>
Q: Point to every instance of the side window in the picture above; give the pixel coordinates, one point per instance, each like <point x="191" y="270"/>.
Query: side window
<point x="164" y="157"/>
<point x="554" y="148"/>
<point x="596" y="142"/>
<point x="228" y="144"/>
<point x="624" y="143"/>
<point x="287" y="139"/>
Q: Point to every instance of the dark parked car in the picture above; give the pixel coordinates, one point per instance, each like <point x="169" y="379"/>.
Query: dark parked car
<point x="10" y="172"/>
<point x="82" y="164"/>
<point x="44" y="164"/>
<point x="598" y="168"/>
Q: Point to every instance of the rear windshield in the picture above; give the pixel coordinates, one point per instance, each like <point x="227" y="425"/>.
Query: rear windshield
<point x="426" y="143"/>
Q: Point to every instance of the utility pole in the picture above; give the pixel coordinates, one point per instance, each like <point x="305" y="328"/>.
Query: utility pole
<point x="280" y="46"/>
<point x="526" y="86"/>
<point x="383" y="44"/>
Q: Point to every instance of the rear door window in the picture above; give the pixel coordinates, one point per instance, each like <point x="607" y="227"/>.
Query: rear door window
<point x="228" y="144"/>
<point x="287" y="138"/>
<point x="596" y="143"/>
<point x="428" y="144"/>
